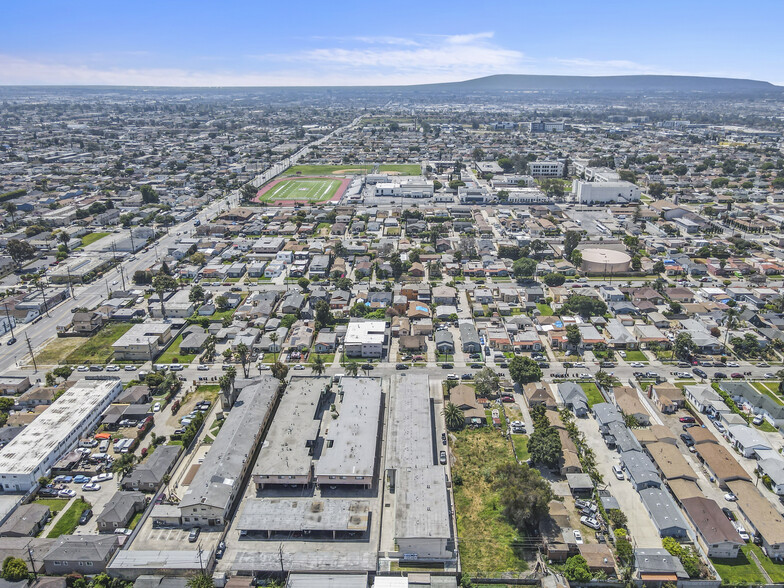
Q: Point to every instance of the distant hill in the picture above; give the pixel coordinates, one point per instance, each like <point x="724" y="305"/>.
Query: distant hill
<point x="634" y="84"/>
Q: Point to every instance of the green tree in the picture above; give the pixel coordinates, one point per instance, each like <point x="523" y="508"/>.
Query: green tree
<point x="318" y="365"/>
<point x="576" y="569"/>
<point x="486" y="382"/>
<point x="524" y="267"/>
<point x="544" y="446"/>
<point x="617" y="518"/>
<point x="242" y="353"/>
<point x="453" y="417"/>
<point x="352" y="369"/>
<point x="658" y="267"/>
<point x="200" y="581"/>
<point x="222" y="303"/>
<point x="20" y="251"/>
<point x="524" y="370"/>
<point x="573" y="336"/>
<point x="323" y="314"/>
<point x="576" y="258"/>
<point x="684" y="346"/>
<point x="585" y="306"/>
<point x="10" y="208"/>
<point x="656" y="189"/>
<point x="280" y="370"/>
<point x="149" y="195"/>
<point x="196" y="294"/>
<point x="554" y="279"/>
<point x="303" y="283"/>
<point x="14" y="569"/>
<point x="524" y="494"/>
<point x="124" y="464"/>
<point x="571" y="241"/>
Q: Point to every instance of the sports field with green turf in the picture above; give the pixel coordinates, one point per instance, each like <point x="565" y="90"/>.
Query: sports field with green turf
<point x="300" y="189"/>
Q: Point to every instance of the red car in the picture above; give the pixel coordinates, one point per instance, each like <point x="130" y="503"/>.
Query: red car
<point x="507" y="399"/>
<point x="737" y="375"/>
<point x="687" y="419"/>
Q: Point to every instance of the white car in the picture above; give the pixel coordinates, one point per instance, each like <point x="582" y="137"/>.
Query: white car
<point x="299" y="366"/>
<point x="66" y="493"/>
<point x="156" y="407"/>
<point x="130" y="368"/>
<point x="730" y="497"/>
<point x="578" y="537"/>
<point x="637" y="364"/>
<point x="264" y="367"/>
<point x="102" y="477"/>
<point x="618" y="472"/>
<point x="590" y="522"/>
<point x="113" y="368"/>
<point x="82" y="368"/>
<point x="91" y="487"/>
<point x="203" y="368"/>
<point x="453" y="377"/>
<point x="622" y="354"/>
<point x="733" y="364"/>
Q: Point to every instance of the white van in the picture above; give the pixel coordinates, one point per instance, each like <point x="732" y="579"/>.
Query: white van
<point x="104" y="446"/>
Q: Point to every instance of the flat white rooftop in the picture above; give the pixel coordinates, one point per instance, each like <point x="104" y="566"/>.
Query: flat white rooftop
<point x="350" y="440"/>
<point x="368" y="332"/>
<point x="49" y="431"/>
<point x="304" y="514"/>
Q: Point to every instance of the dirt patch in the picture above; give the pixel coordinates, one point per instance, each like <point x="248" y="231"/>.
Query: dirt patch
<point x="339" y="172"/>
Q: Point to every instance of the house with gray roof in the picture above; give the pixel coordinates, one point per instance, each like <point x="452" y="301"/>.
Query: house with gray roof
<point x="26" y="521"/>
<point x="148" y="475"/>
<point x="469" y="337"/>
<point x="119" y="511"/>
<point x="641" y="470"/>
<point x="81" y="554"/>
<point x="445" y="343"/>
<point x="574" y="398"/>
<point x="664" y="513"/>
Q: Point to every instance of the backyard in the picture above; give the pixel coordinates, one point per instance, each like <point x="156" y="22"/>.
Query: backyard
<point x="68" y="522"/>
<point x="635" y="355"/>
<point x="98" y="348"/>
<point x="486" y="538"/>
<point x="92" y="238"/>
<point x="173" y="355"/>
<point x="593" y="393"/>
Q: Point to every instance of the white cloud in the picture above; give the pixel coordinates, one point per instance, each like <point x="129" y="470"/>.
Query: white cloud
<point x="468" y="39"/>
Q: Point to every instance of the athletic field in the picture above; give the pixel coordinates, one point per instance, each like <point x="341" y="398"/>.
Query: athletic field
<point x="303" y="189"/>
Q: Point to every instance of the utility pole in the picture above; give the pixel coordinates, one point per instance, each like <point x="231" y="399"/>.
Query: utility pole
<point x="30" y="347"/>
<point x="8" y="318"/>
<point x="70" y="283"/>
<point x="122" y="276"/>
<point x="201" y="564"/>
<point x="280" y="555"/>
<point x="43" y="296"/>
<point x="32" y="563"/>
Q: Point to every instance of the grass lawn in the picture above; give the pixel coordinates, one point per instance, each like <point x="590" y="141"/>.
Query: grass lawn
<point x="92" y="238"/>
<point x="636" y="355"/>
<point x="59" y="349"/>
<point x="544" y="309"/>
<point x="592" y="392"/>
<point x="70" y="519"/>
<point x="328" y="358"/>
<point x="486" y="538"/>
<point x="135" y="520"/>
<point x="766" y="427"/>
<point x="54" y="504"/>
<point x="404" y="169"/>
<point x="337" y="170"/>
<point x="760" y="387"/>
<point x="775" y="570"/>
<point x="683" y="383"/>
<point x="98" y="349"/>
<point x="739" y="571"/>
<point x="173" y="355"/>
<point x="521" y="446"/>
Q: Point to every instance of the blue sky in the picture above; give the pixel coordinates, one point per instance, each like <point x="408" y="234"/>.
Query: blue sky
<point x="306" y="42"/>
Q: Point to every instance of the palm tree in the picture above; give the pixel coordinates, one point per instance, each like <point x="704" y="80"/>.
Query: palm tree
<point x="730" y="323"/>
<point x="352" y="369"/>
<point x="318" y="365"/>
<point x="10" y="208"/>
<point x="242" y="354"/>
<point x="274" y="338"/>
<point x="454" y="417"/>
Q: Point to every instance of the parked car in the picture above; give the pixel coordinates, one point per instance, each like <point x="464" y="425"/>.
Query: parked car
<point x="719" y="426"/>
<point x="730" y="497"/>
<point x="66" y="493"/>
<point x="757" y="420"/>
<point x="401" y="366"/>
<point x="467" y="377"/>
<point x="590" y="522"/>
<point x="618" y="472"/>
<point x="687" y="439"/>
<point x="203" y="367"/>
<point x="194" y="534"/>
<point x="80" y="479"/>
<point x="299" y="366"/>
<point x="156" y="407"/>
<point x="699" y="372"/>
<point x="442" y="457"/>
<point x="687" y="419"/>
<point x="220" y="550"/>
<point x="91" y="487"/>
<point x="130" y="368"/>
<point x="578" y="537"/>
<point x="719" y="376"/>
<point x="507" y="398"/>
<point x="86" y="516"/>
<point x="453" y="377"/>
<point x="728" y="513"/>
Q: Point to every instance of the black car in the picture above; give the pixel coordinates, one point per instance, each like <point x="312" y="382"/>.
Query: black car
<point x="86" y="516"/>
<point x="368" y="366"/>
<point x="688" y="426"/>
<point x="477" y="366"/>
<point x="443" y="438"/>
<point x="543" y="364"/>
<point x="687" y="439"/>
<point x="728" y="513"/>
<point x="401" y="366"/>
<point x="699" y="372"/>
<point x="442" y="458"/>
<point x="221" y="550"/>
<point x="446" y="366"/>
<point x="719" y="376"/>
<point x="503" y="364"/>
<point x="11" y="341"/>
<point x="467" y="377"/>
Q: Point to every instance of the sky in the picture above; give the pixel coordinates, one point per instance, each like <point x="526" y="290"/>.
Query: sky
<point x="314" y="42"/>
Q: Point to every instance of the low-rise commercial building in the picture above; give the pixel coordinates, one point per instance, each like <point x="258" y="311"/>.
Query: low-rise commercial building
<point x="349" y="453"/>
<point x="211" y="494"/>
<point x="142" y="342"/>
<point x="56" y="431"/>
<point x="365" y="338"/>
